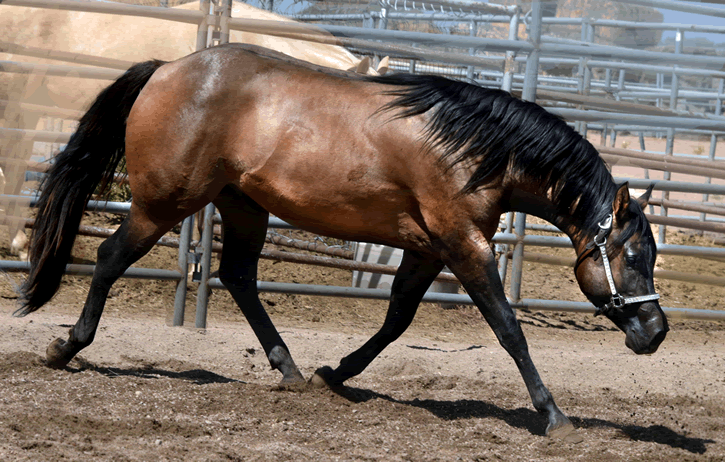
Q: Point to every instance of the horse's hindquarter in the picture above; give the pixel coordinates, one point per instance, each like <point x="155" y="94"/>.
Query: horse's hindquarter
<point x="310" y="147"/>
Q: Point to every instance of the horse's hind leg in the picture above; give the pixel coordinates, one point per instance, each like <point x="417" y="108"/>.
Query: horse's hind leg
<point x="131" y="241"/>
<point x="413" y="278"/>
<point x="245" y="228"/>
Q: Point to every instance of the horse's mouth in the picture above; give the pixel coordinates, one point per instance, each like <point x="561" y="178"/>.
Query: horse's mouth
<point x="634" y="343"/>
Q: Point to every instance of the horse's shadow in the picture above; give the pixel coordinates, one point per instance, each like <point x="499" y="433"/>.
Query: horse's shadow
<point x="531" y="420"/>
<point x="196" y="376"/>
<point x="523" y="418"/>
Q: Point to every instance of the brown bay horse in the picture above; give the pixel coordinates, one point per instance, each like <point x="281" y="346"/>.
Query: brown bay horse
<point x="422" y="163"/>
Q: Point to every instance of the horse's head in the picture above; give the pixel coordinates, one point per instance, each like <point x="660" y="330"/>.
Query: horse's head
<point x="619" y="280"/>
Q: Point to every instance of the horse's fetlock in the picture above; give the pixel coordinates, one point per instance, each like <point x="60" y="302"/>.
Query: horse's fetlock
<point x="278" y="357"/>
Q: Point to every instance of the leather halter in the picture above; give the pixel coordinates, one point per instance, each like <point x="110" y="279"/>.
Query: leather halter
<point x="617" y="300"/>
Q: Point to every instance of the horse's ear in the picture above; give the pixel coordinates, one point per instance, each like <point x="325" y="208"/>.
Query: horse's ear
<point x="384" y="66"/>
<point x="363" y="66"/>
<point x="620" y="206"/>
<point x="643" y="200"/>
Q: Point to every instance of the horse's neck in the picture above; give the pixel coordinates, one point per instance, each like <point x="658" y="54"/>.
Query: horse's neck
<point x="539" y="204"/>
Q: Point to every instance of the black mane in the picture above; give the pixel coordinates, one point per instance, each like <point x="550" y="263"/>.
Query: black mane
<point x="499" y="131"/>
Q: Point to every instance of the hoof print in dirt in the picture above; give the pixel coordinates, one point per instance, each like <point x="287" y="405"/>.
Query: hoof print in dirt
<point x="291" y="386"/>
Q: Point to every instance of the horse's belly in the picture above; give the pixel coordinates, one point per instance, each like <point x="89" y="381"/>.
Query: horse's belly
<point x="383" y="220"/>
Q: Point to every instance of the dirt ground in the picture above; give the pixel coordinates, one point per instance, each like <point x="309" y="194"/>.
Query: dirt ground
<point x="445" y="391"/>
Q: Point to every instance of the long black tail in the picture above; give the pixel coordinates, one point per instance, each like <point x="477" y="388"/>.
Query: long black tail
<point x="88" y="161"/>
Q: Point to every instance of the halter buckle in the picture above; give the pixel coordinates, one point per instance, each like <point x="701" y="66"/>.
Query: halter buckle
<point x="618" y="301"/>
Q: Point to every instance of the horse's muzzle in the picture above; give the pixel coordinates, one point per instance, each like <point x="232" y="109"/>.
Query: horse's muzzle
<point x="644" y="344"/>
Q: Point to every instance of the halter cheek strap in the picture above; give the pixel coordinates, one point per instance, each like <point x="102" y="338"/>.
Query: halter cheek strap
<point x="617" y="300"/>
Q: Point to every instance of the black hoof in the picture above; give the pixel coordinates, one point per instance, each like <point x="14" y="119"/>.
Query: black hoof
<point x="565" y="432"/>
<point x="57" y="355"/>
<point x="324" y="377"/>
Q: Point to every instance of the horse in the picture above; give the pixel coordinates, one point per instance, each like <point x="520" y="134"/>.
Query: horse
<point x="423" y="163"/>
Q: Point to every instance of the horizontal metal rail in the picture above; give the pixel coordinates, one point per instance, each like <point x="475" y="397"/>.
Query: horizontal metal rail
<point x="169" y="14"/>
<point x="60" y="70"/>
<point x="640" y="119"/>
<point x="52" y="111"/>
<point x="87" y="270"/>
<point x="458" y="299"/>
<point x="78" y="58"/>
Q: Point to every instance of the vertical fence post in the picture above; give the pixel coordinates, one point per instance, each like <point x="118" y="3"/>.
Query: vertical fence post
<point x="473" y="31"/>
<point x="586" y="86"/>
<point x="203" y="30"/>
<point x="670" y="144"/>
<point x="528" y="94"/>
<point x="607" y="84"/>
<point x="581" y="70"/>
<point x="180" y="298"/>
<point x="202" y="294"/>
<point x="713" y="138"/>
<point x="620" y="87"/>
<point x="506" y="85"/>
<point x="510" y="63"/>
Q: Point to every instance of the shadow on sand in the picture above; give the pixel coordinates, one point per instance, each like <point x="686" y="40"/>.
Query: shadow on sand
<point x="531" y="420"/>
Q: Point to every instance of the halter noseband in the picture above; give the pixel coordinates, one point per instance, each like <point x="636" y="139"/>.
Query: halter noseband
<point x="617" y="300"/>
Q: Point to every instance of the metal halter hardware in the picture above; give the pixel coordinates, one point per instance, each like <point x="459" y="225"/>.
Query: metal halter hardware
<point x="617" y="300"/>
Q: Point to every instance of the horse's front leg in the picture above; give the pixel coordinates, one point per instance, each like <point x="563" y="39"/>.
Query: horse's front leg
<point x="474" y="264"/>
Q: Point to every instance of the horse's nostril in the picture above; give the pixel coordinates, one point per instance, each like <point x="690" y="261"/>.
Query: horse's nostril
<point x="658" y="338"/>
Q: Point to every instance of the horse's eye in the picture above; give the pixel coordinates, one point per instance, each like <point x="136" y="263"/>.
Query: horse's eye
<point x="631" y="258"/>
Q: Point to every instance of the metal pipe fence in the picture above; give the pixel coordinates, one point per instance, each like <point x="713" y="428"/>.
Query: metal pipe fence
<point x="485" y="57"/>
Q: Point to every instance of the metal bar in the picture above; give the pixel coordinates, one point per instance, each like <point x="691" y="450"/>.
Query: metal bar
<point x="510" y="59"/>
<point x="180" y="297"/>
<point x="202" y="294"/>
<point x="613" y="160"/>
<point x="87" y="270"/>
<point x="680" y="6"/>
<point x="35" y="135"/>
<point x="202" y="31"/>
<point x="45" y="110"/>
<point x="78" y="58"/>
<point x="528" y="94"/>
<point x="60" y="70"/>
<point x="713" y="210"/>
<point x="169" y="14"/>
<point x="314" y="33"/>
<point x="458" y="299"/>
<point x="637" y="25"/>
<point x="713" y="140"/>
<point x="674" y="160"/>
<point x="669" y="145"/>
<point x="640" y="119"/>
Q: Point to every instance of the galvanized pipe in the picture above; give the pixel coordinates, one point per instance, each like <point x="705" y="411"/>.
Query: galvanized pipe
<point x="202" y="294"/>
<point x="528" y="94"/>
<point x="180" y="297"/>
<point x="457" y="299"/>
<point x="713" y="139"/>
